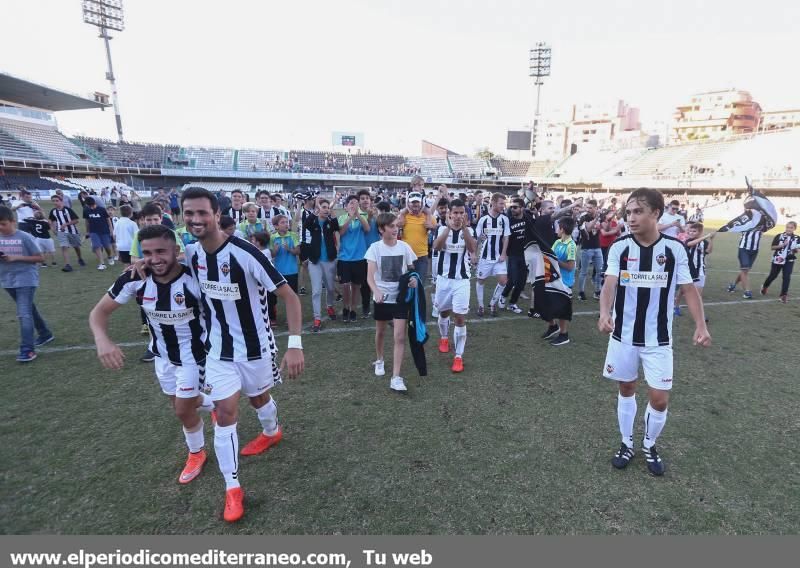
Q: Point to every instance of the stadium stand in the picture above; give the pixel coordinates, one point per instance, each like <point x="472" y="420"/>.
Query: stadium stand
<point x="592" y="165"/>
<point x="227" y="187"/>
<point x="47" y="141"/>
<point x="128" y="153"/>
<point x="380" y="164"/>
<point x="434" y="167"/>
<point x="210" y="158"/>
<point x="464" y="166"/>
<point x="93" y="183"/>
<point x="33" y="183"/>
<point x="540" y="169"/>
<point x="325" y="162"/>
<point x="257" y="160"/>
<point x="10" y="147"/>
<point x="510" y="168"/>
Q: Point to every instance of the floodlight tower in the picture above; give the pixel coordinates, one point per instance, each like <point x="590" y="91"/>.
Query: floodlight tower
<point x="107" y="15"/>
<point x="539" y="68"/>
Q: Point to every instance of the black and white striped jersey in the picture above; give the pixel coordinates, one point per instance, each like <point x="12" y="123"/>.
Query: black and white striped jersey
<point x="697" y="259"/>
<point x="788" y="251"/>
<point x="267" y="213"/>
<point x="173" y="314"/>
<point x="305" y="234"/>
<point x="648" y="277"/>
<point x="453" y="261"/>
<point x="750" y="240"/>
<point x="235" y="214"/>
<point x="234" y="282"/>
<point x="490" y="232"/>
<point x="64" y="216"/>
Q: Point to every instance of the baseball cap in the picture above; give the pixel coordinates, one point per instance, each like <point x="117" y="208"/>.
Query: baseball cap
<point x="414" y="197"/>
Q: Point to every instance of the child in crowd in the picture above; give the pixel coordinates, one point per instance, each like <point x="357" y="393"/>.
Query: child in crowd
<point x="124" y="231"/>
<point x="697" y="248"/>
<point x="566" y="251"/>
<point x="285" y="250"/>
<point x="387" y="260"/>
<point x="784" y="253"/>
<point x="251" y="224"/>
<point x="112" y="213"/>
<point x="228" y="226"/>
<point x="40" y="228"/>
<point x="261" y="240"/>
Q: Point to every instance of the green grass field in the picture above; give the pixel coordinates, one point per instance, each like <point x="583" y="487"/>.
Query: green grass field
<point x="518" y="443"/>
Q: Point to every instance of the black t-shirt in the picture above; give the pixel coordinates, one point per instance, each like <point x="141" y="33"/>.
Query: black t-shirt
<point x="545" y="228"/>
<point x="98" y="220"/>
<point x="39" y="228"/>
<point x="589" y="239"/>
<point x="517" y="239"/>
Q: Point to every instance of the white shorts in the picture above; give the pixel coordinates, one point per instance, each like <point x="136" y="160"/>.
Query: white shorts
<point x="179" y="381"/>
<point x="46" y="245"/>
<point x="488" y="268"/>
<point x="622" y="364"/>
<point x="452" y="295"/>
<point x="702" y="282"/>
<point x="253" y="378"/>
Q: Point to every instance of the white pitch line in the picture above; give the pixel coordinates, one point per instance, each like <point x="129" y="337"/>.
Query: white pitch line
<point x="336" y="330"/>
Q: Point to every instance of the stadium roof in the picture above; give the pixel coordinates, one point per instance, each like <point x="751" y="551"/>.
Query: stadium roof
<point x="26" y="93"/>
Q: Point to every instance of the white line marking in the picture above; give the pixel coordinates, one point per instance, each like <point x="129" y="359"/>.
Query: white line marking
<point x="336" y="330"/>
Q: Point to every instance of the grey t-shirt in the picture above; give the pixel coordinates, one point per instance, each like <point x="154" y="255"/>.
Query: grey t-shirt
<point x="19" y="274"/>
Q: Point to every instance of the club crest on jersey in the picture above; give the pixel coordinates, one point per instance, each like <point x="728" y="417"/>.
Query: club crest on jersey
<point x="661" y="259"/>
<point x="225" y="268"/>
<point x="179" y="298"/>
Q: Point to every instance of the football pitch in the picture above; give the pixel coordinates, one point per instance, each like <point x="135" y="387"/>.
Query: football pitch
<point x="520" y="443"/>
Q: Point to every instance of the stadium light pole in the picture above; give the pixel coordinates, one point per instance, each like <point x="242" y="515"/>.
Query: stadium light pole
<point x="107" y="15"/>
<point x="539" y="68"/>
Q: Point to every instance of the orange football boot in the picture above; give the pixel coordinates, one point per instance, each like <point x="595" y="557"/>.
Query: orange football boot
<point x="234" y="504"/>
<point x="193" y="467"/>
<point x="458" y="364"/>
<point x="444" y="345"/>
<point x="262" y="443"/>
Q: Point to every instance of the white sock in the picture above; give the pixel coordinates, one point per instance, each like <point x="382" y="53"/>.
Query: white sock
<point x="460" y="337"/>
<point x="626" y="414"/>
<point x="444" y="326"/>
<point x="479" y="292"/>
<point x="195" y="440"/>
<point x="206" y="404"/>
<point x="226" y="447"/>
<point x="654" y="421"/>
<point x="498" y="291"/>
<point x="268" y="416"/>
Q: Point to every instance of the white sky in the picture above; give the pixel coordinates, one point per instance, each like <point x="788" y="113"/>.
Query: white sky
<point x="269" y="74"/>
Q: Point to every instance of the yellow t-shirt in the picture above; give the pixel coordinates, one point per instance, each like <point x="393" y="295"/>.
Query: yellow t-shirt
<point x="415" y="234"/>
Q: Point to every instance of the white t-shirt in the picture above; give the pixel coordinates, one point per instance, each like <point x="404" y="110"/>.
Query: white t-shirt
<point x="124" y="230"/>
<point x="24" y="213"/>
<point x="668" y="218"/>
<point x="392" y="262"/>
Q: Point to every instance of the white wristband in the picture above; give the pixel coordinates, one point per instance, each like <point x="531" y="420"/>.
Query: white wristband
<point x="295" y="342"/>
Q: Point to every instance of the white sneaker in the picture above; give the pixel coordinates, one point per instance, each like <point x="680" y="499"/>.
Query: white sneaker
<point x="501" y="302"/>
<point x="101" y="267"/>
<point x="379" y="370"/>
<point x="514" y="308"/>
<point x="397" y="384"/>
<point x="111" y="262"/>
